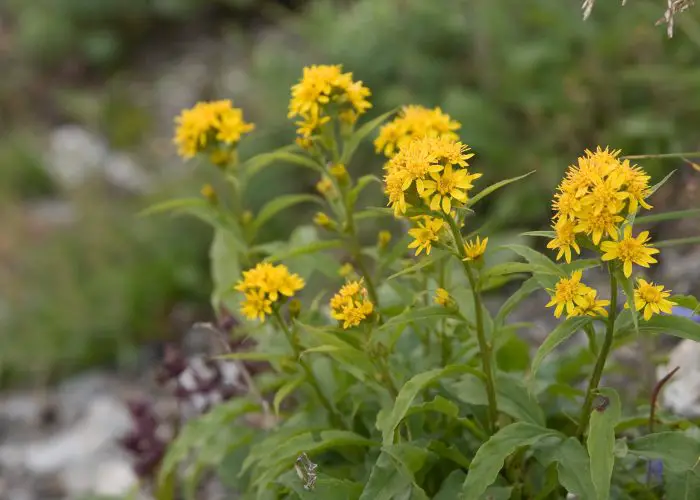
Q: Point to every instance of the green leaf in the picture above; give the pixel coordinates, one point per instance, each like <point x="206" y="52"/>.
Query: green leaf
<point x="386" y="481"/>
<point x="628" y="288"/>
<point x="542" y="234"/>
<point x="252" y="356"/>
<point x="525" y="290"/>
<point x="283" y="155"/>
<point x="439" y="405"/>
<point x="514" y="267"/>
<point x="601" y="443"/>
<point x="326" y="487"/>
<point x="412" y="315"/>
<point x="225" y="266"/>
<point x="354" y="141"/>
<point x="425" y="261"/>
<point x="451" y="453"/>
<point x="573" y="467"/>
<point x="678" y="326"/>
<point x="281" y="203"/>
<point x="489" y="458"/>
<point x="202" y="433"/>
<point x="410" y="459"/>
<point x="692" y="240"/>
<point x="672" y="215"/>
<point x="493" y="187"/>
<point x="682" y="486"/>
<point x="687" y="301"/>
<point x="511" y="395"/>
<point x="452" y="486"/>
<point x="362" y="183"/>
<point x="562" y="332"/>
<point x="539" y="259"/>
<point x="663" y="181"/>
<point x="173" y="205"/>
<point x="285" y="391"/>
<point x="678" y="451"/>
<point x="409" y="392"/>
<point x="311" y="248"/>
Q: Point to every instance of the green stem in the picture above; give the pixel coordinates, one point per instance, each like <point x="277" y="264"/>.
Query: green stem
<point x="485" y="347"/>
<point x="337" y="422"/>
<point x="602" y="357"/>
<point x="592" y="341"/>
<point x="693" y="154"/>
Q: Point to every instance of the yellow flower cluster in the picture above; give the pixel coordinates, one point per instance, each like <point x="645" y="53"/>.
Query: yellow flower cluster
<point x="576" y="298"/>
<point x="323" y="90"/>
<point x="264" y="285"/>
<point x="593" y="199"/>
<point x="208" y="125"/>
<point x="351" y="304"/>
<point x="414" y="122"/>
<point x="428" y="170"/>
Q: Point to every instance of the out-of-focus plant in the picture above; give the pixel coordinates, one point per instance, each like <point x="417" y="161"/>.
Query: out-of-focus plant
<point x="390" y="383"/>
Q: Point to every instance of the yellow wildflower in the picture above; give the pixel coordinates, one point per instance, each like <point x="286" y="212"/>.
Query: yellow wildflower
<point x="429" y="169"/>
<point x="651" y="299"/>
<point x="565" y="293"/>
<point x="340" y="173"/>
<point x="383" y="239"/>
<point x="209" y="123"/>
<point x="264" y="285"/>
<point x="256" y="305"/>
<point x="474" y="249"/>
<point x="425" y="234"/>
<point x="321" y="86"/>
<point x="351" y="305"/>
<point x="414" y="122"/>
<point x="564" y="239"/>
<point x="588" y="305"/>
<point x="630" y="250"/>
<point x="597" y="226"/>
<point x="447" y="185"/>
<point x="442" y="297"/>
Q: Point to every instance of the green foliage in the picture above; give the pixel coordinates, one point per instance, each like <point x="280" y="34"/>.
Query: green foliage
<point x="427" y="393"/>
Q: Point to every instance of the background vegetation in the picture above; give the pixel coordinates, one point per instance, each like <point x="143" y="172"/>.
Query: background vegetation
<point x="532" y="84"/>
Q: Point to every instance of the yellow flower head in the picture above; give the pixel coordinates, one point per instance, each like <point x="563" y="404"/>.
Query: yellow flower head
<point x="565" y="239"/>
<point x="442" y="297"/>
<point x="321" y="90"/>
<point x="414" y="122"/>
<point x="630" y="250"/>
<point x="651" y="299"/>
<point x="425" y="234"/>
<point x="593" y="198"/>
<point x="325" y="187"/>
<point x="209" y="193"/>
<point x="566" y="292"/>
<point x="264" y="285"/>
<point x="474" y="249"/>
<point x="429" y="170"/>
<point x="351" y="305"/>
<point x="209" y="124"/>
<point x="588" y="305"/>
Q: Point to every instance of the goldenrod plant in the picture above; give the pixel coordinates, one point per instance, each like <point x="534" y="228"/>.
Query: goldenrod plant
<point x="391" y="379"/>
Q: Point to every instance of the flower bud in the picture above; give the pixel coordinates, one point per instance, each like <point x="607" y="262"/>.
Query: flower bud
<point x="346" y="270"/>
<point x="246" y="217"/>
<point x="294" y="308"/>
<point x="322" y="220"/>
<point x="383" y="239"/>
<point x="339" y="171"/>
<point x="208" y="192"/>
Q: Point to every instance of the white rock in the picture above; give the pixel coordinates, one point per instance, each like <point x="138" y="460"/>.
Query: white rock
<point x="121" y="171"/>
<point x="682" y="393"/>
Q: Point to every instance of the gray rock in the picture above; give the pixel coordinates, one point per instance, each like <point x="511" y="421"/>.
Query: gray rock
<point x="682" y="393"/>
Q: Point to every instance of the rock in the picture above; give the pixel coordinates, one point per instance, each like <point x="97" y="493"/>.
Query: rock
<point x="76" y="155"/>
<point x="682" y="393"/>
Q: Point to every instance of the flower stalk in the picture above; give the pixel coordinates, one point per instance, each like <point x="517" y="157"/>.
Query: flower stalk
<point x="485" y="347"/>
<point x="602" y="357"/>
<point x="335" y="419"/>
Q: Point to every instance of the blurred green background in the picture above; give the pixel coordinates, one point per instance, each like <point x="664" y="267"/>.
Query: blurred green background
<point x="84" y="280"/>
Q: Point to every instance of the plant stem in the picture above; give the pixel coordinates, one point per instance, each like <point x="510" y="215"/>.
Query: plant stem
<point x="337" y="422"/>
<point x="592" y="341"/>
<point x="485" y="347"/>
<point x="602" y="357"/>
